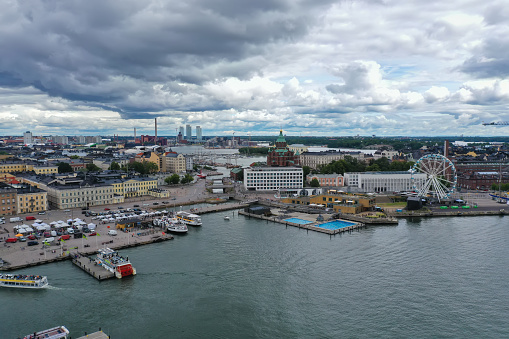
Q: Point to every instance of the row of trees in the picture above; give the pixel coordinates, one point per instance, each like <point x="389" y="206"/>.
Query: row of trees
<point x="175" y="179"/>
<point x="350" y="164"/>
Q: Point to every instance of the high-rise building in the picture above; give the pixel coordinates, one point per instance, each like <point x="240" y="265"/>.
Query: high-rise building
<point x="27" y="138"/>
<point x="181" y="129"/>
<point x="198" y="133"/>
<point x="80" y="139"/>
<point x="189" y="132"/>
<point x="60" y="139"/>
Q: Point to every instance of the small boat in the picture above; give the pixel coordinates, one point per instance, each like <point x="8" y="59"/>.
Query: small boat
<point x="226" y="217"/>
<point x="201" y="175"/>
<point x="189" y="218"/>
<point x="59" y="332"/>
<point x="23" y="281"/>
<point x="175" y="225"/>
<point x="114" y="262"/>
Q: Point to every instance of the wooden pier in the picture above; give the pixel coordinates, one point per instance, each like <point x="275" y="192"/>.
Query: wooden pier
<point x="95" y="335"/>
<point x="88" y="265"/>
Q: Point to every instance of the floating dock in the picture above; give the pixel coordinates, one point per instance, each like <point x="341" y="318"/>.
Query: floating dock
<point x="313" y="226"/>
<point x="95" y="335"/>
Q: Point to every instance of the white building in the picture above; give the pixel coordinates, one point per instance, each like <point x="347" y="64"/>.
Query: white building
<point x="198" y="133"/>
<point x="189" y="132"/>
<point x="272" y="178"/>
<point x="60" y="139"/>
<point x="27" y="138"/>
<point x="399" y="181"/>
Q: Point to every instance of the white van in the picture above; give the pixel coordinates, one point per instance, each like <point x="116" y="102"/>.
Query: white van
<point x="70" y="230"/>
<point x="48" y="240"/>
<point x="112" y="232"/>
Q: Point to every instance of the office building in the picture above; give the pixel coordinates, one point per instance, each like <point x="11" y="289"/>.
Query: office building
<point x="27" y="138"/>
<point x="189" y="132"/>
<point x="198" y="133"/>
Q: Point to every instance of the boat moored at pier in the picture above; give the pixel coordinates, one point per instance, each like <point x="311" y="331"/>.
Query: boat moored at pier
<point x="189" y="218"/>
<point x="173" y="225"/>
<point x="112" y="261"/>
<point x="59" y="332"/>
<point x="23" y="281"/>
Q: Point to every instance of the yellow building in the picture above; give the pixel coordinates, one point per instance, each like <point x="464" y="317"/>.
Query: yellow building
<point x="149" y="156"/>
<point x="7" y="167"/>
<point x="134" y="187"/>
<point x="31" y="199"/>
<point x="172" y="162"/>
<point x="12" y="167"/>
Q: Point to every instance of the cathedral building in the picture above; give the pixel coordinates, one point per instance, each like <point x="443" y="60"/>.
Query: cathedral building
<point x="280" y="155"/>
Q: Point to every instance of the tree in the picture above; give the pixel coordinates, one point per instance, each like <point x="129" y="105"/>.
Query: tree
<point x="187" y="179"/>
<point x="305" y="170"/>
<point x="173" y="179"/>
<point x="150" y="167"/>
<point x="64" y="167"/>
<point x="315" y="183"/>
<point x="93" y="168"/>
<point x="114" y="166"/>
<point x="74" y="157"/>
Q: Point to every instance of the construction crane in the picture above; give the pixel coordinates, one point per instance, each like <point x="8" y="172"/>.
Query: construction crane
<point x="496" y="123"/>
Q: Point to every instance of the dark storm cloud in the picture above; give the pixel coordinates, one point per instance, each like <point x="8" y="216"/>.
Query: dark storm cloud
<point x="491" y="61"/>
<point x="100" y="51"/>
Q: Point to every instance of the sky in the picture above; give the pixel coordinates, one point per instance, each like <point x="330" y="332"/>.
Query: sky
<point x="309" y="67"/>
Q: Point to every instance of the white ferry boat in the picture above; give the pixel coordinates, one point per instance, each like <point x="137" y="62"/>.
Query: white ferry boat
<point x="173" y="225"/>
<point x="59" y="332"/>
<point x="23" y="281"/>
<point x="115" y="263"/>
<point x="189" y="218"/>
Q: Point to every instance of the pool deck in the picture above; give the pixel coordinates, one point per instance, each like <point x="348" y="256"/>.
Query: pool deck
<point x="280" y="216"/>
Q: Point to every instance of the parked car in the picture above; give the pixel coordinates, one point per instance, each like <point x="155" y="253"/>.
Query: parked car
<point x="41" y="213"/>
<point x="22" y="239"/>
<point x="65" y="237"/>
<point x="30" y="218"/>
<point x="166" y="202"/>
<point x="32" y="243"/>
<point x="48" y="240"/>
<point x="70" y="230"/>
<point x="112" y="232"/>
<point x="11" y="240"/>
<point x="156" y="203"/>
<point x="31" y="237"/>
<point x="106" y="209"/>
<point x="67" y="210"/>
<point x="136" y="205"/>
<point x="78" y="235"/>
<point x="92" y="234"/>
<point x="85" y="230"/>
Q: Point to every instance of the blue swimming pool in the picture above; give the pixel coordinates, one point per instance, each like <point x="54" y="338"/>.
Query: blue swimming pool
<point x="336" y="224"/>
<point x="299" y="221"/>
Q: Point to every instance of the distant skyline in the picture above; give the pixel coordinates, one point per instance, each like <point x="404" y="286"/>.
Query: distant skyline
<point x="312" y="68"/>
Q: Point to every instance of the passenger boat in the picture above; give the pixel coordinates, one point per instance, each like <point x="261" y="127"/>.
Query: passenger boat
<point x="226" y="217"/>
<point x="115" y="263"/>
<point x="23" y="281"/>
<point x="59" y="332"/>
<point x="177" y="227"/>
<point x="173" y="225"/>
<point x="189" y="218"/>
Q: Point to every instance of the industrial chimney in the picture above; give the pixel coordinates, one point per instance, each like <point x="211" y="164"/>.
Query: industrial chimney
<point x="155" y="139"/>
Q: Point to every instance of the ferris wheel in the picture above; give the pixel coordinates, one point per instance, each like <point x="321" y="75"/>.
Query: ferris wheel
<point x="434" y="175"/>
